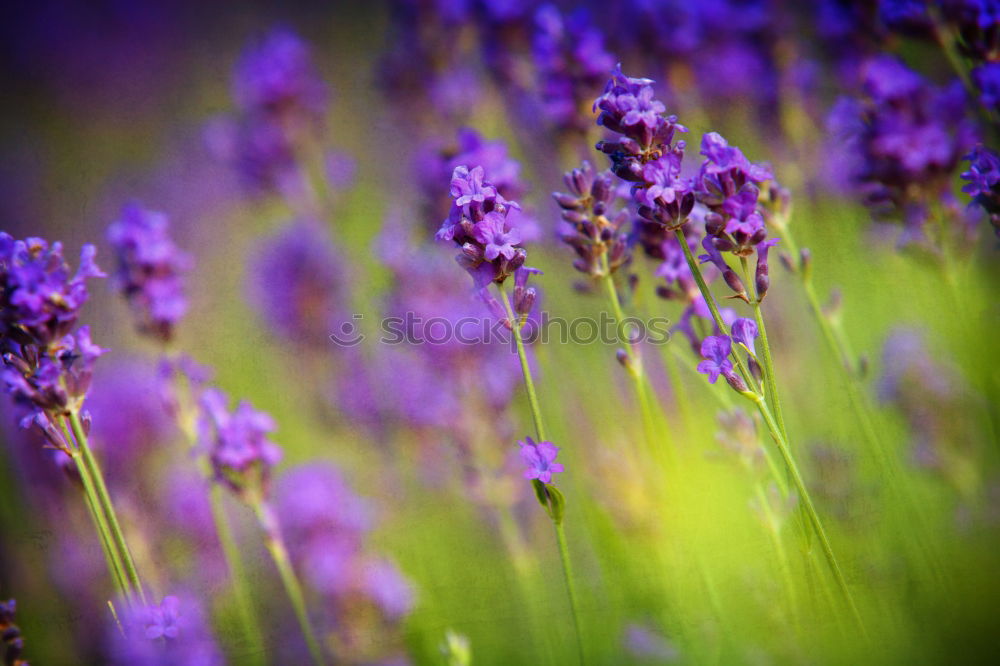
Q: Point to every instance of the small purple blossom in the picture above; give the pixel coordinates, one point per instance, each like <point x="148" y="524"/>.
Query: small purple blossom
<point x="174" y="632"/>
<point x="715" y="350"/>
<point x="150" y="270"/>
<point x="744" y="331"/>
<point x="983" y="182"/>
<point x="277" y="75"/>
<point x="540" y="460"/>
<point x="237" y="444"/>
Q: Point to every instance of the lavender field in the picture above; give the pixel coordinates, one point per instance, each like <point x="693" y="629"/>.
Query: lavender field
<point x="472" y="332"/>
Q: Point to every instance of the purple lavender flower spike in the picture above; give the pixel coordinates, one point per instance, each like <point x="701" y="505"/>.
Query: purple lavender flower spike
<point x="715" y="350"/>
<point x="987" y="79"/>
<point x="237" y="444"/>
<point x="277" y="75"/>
<point x="540" y="460"/>
<point x="40" y="299"/>
<point x="745" y="332"/>
<point x="481" y="223"/>
<point x="150" y="270"/>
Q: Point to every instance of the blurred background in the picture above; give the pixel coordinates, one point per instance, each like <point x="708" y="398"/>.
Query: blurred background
<point x="684" y="552"/>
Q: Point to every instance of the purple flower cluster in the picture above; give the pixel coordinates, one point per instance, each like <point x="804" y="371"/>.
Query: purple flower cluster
<point x="727" y="184"/>
<point x="904" y="138"/>
<point x="281" y="102"/>
<point x="571" y="62"/>
<point x="296" y="284"/>
<point x="237" y="444"/>
<point x="539" y="459"/>
<point x="589" y="225"/>
<point x="983" y="183"/>
<point x="327" y="526"/>
<point x="150" y="270"/>
<point x="716" y="349"/>
<point x="47" y="366"/>
<point x="174" y="632"/>
<point x="481" y="224"/>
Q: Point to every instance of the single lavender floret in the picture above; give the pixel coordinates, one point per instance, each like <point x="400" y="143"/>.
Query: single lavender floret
<point x="744" y="331"/>
<point x="540" y="460"/>
<point x="715" y="350"/>
<point x="150" y="270"/>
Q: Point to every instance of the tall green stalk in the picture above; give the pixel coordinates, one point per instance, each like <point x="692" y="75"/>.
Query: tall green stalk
<point x="634" y="366"/>
<point x="777" y="434"/>
<point x="536" y="413"/>
<point x="117" y="536"/>
<point x="293" y="588"/>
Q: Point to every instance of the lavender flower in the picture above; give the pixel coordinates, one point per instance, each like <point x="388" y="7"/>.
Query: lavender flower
<point x="983" y="183"/>
<point x="744" y="331"/>
<point x="277" y="76"/>
<point x="150" y="269"/>
<point x="540" y="460"/>
<point x="571" y="62"/>
<point x="40" y="300"/>
<point x="589" y="226"/>
<point x="10" y="634"/>
<point x="480" y="223"/>
<point x="987" y="79"/>
<point x="174" y="632"/>
<point x="715" y="349"/>
<point x="237" y="444"/>
<point x="296" y="284"/>
<point x="905" y="138"/>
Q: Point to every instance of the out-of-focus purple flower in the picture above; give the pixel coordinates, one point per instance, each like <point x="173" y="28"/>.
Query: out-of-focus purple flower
<point x="277" y="75"/>
<point x="987" y="79"/>
<point x="644" y="643"/>
<point x="237" y="444"/>
<point x="539" y="459"/>
<point x="744" y="331"/>
<point x="128" y="416"/>
<point x="150" y="270"/>
<point x="174" y="632"/>
<point x="315" y="497"/>
<point x="715" y="350"/>
<point x="983" y="183"/>
<point x="388" y="588"/>
<point x="295" y="282"/>
<point x="904" y="139"/>
<point x="40" y="299"/>
<point x="13" y="643"/>
<point x="571" y="62"/>
<point x="589" y="225"/>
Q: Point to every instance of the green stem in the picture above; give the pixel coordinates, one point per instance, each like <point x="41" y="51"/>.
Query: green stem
<point x="104" y="502"/>
<point x="110" y="555"/>
<point x="237" y="572"/>
<point x="769" y="375"/>
<point x="773" y="529"/>
<point x="570" y="588"/>
<point x="712" y="307"/>
<point x="536" y="413"/>
<point x="635" y="368"/>
<point x="810" y="508"/>
<point x="279" y="553"/>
